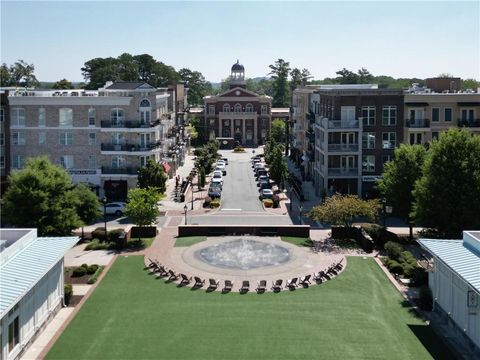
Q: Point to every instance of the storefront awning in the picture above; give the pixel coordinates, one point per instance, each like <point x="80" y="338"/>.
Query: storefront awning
<point x="166" y="167"/>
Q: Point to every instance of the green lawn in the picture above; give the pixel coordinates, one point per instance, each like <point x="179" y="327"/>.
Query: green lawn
<point x="299" y="241"/>
<point x="189" y="240"/>
<point x="358" y="315"/>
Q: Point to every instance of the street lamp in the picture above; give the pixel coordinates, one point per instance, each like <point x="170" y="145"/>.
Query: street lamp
<point x="300" y="208"/>
<point x="191" y="185"/>
<point x="104" y="202"/>
<point x="291" y="198"/>
<point x="185" y="212"/>
<point x="384" y="206"/>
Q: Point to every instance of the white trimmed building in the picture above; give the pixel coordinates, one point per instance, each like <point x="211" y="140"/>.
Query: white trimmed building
<point x="31" y="285"/>
<point x="455" y="282"/>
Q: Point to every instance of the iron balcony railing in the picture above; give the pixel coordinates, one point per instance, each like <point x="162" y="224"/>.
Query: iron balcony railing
<point x="469" y="122"/>
<point x="126" y="170"/>
<point x="343" y="147"/>
<point x="343" y="124"/>
<point x="417" y="123"/>
<point x="128" y="124"/>
<point x="342" y="171"/>
<point x="130" y="147"/>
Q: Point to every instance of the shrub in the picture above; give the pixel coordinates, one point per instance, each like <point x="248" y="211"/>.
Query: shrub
<point x="375" y="232"/>
<point x="91" y="269"/>
<point x="99" y="233"/>
<point x="92" y="279"/>
<point x="276" y="201"/>
<point x="117" y="238"/>
<point x="395" y="267"/>
<point x="419" y="276"/>
<point x="207" y="201"/>
<point x="408" y="270"/>
<point x="267" y="203"/>
<point x="67" y="293"/>
<point x="408" y="258"/>
<point x="393" y="250"/>
<point x="79" y="271"/>
<point x="239" y="149"/>
<point x="425" y="298"/>
<point x="215" y="203"/>
<point x="96" y="244"/>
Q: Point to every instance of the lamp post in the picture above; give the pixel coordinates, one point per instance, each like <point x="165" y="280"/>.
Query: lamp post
<point x="300" y="209"/>
<point x="191" y="185"/>
<point x="185" y="212"/>
<point x="104" y="202"/>
<point x="291" y="198"/>
<point x="384" y="205"/>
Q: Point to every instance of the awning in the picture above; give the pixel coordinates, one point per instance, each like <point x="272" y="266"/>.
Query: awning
<point x="166" y="167"/>
<point x="416" y="104"/>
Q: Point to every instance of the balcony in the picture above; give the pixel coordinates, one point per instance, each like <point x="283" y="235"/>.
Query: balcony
<point x="128" y="124"/>
<point x="468" y="122"/>
<point x="342" y="171"/>
<point x="342" y="124"/>
<point x="310" y="117"/>
<point x="310" y="136"/>
<point x="343" y="147"/>
<point x="417" y="123"/>
<point x="127" y="170"/>
<point x="129" y="147"/>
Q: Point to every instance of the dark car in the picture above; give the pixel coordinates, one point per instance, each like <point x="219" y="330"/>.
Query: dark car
<point x="215" y="191"/>
<point x="261" y="172"/>
<point x="226" y="160"/>
<point x="264" y="185"/>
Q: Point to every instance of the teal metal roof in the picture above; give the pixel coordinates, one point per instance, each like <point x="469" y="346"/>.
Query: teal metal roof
<point x="20" y="273"/>
<point x="463" y="260"/>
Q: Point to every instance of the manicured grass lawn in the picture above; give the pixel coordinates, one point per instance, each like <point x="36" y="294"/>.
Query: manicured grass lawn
<point x="189" y="240"/>
<point x="299" y="241"/>
<point x="358" y="315"/>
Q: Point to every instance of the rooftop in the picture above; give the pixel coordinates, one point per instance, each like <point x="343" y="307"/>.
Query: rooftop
<point x="127" y="85"/>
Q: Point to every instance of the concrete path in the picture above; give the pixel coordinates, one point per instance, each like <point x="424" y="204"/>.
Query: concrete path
<point x="78" y="256"/>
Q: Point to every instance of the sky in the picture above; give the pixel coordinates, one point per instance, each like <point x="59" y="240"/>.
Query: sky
<point x="400" y="39"/>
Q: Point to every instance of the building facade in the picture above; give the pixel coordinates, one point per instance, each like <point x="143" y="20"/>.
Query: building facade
<point x="4" y="139"/>
<point x="356" y="130"/>
<point x="101" y="137"/>
<point x="28" y="302"/>
<point x="237" y="113"/>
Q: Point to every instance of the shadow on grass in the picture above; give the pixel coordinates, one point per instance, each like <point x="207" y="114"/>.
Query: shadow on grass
<point x="299" y="241"/>
<point x="431" y="342"/>
<point x="411" y="309"/>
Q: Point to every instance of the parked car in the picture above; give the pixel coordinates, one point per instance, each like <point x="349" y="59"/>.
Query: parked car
<point x="266" y="194"/>
<point x="217" y="177"/>
<point x="114" y="208"/>
<point x="261" y="172"/>
<point x="264" y="185"/>
<point x="221" y="167"/>
<point x="225" y="160"/>
<point x="263" y="178"/>
<point x="258" y="169"/>
<point x="215" y="191"/>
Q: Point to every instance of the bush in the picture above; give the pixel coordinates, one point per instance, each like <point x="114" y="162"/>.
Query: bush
<point x="215" y="203"/>
<point x="67" y="293"/>
<point x="393" y="250"/>
<point x="375" y="232"/>
<point x="239" y="149"/>
<point x="267" y="203"/>
<point x="276" y="201"/>
<point x="394" y="267"/>
<point x="91" y="269"/>
<point x="207" y="201"/>
<point x="117" y="238"/>
<point x="425" y="298"/>
<point x="408" y="270"/>
<point x="96" y="244"/>
<point x="407" y="257"/>
<point x="79" y="271"/>
<point x="92" y="279"/>
<point x="99" y="233"/>
<point x="419" y="276"/>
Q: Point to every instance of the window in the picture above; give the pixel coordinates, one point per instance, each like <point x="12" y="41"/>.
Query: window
<point x="18" y="116"/>
<point x="434" y="135"/>
<point x="368" y="163"/>
<point x="226" y="108"/>
<point x="212" y="122"/>
<point x="17" y="162"/>
<point x="41" y="117"/>
<point x="66" y="161"/>
<point x="389" y="140"/>
<point x="42" y="138"/>
<point x="145" y="111"/>
<point x="264" y="109"/>
<point x="2" y="138"/>
<point x="2" y="114"/>
<point x="389" y="115"/>
<point x="387" y="158"/>
<point x="92" y="138"/>
<point x="368" y="115"/>
<point x="13" y="334"/>
<point x="249" y="108"/>
<point x="435" y="114"/>
<point x="66" y="138"/>
<point x="447" y="114"/>
<point x="145" y="103"/>
<point x="118" y="139"/>
<point x="238" y="108"/>
<point x="92" y="162"/>
<point x="116" y="116"/>
<point x="368" y="140"/>
<point x="347" y="113"/>
<point x="2" y="162"/>
<point x="211" y="109"/>
<point x="118" y="162"/>
<point x="18" y="138"/>
<point x="415" y="138"/>
<point x="91" y="117"/>
<point x="143" y="160"/>
<point x="65" y="117"/>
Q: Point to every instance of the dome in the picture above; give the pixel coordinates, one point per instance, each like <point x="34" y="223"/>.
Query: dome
<point x="237" y="67"/>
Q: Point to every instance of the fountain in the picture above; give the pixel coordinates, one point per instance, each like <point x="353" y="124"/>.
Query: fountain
<point x="243" y="254"/>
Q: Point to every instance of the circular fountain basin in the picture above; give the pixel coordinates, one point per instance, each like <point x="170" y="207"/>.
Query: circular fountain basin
<point x="243" y="254"/>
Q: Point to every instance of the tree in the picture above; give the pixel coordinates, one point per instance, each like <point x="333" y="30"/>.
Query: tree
<point x="447" y="196"/>
<point x="98" y="71"/>
<point x="364" y="76"/>
<point x="18" y="74"/>
<point x="347" y="77"/>
<point x="5" y="76"/>
<point x="198" y="87"/>
<point x="86" y="205"/>
<point x="278" y="166"/>
<point x="471" y="84"/>
<point x="40" y="196"/>
<point x="279" y="72"/>
<point x="201" y="179"/>
<point x="399" y="177"/>
<point x="343" y="209"/>
<point x="299" y="77"/>
<point x="152" y="176"/>
<point x="278" y="130"/>
<point x="142" y="207"/>
<point x="62" y="84"/>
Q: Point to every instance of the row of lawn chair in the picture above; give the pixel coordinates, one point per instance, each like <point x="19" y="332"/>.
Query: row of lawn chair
<point x="277" y="285"/>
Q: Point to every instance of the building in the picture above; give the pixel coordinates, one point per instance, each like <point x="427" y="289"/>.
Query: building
<point x="101" y="137"/>
<point x="454" y="280"/>
<point x="428" y="113"/>
<point x="4" y="140"/>
<point x="237" y="113"/>
<point x="357" y="128"/>
<point x="31" y="286"/>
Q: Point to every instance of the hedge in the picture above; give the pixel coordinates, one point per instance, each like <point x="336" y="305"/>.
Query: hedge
<point x="92" y="279"/>
<point x="67" y="293"/>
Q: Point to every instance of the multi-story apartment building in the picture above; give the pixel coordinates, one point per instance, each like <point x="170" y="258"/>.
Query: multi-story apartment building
<point x="428" y="113"/>
<point x="237" y="113"/>
<point x="4" y="139"/>
<point x="101" y="137"/>
<point x="357" y="128"/>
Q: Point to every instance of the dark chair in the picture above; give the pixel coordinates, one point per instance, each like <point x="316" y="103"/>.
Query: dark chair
<point x="162" y="271"/>
<point x="304" y="281"/>
<point x="185" y="279"/>
<point x="172" y="276"/>
<point x="152" y="264"/>
<point x="318" y="277"/>
<point x="277" y="285"/>
<point x="198" y="282"/>
<point x="228" y="286"/>
<point x="213" y="284"/>
<point x="292" y="283"/>
<point x="261" y="286"/>
<point x="245" y="286"/>
<point x="339" y="265"/>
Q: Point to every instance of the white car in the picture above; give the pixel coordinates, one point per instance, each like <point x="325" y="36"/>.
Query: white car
<point x="114" y="208"/>
<point x="266" y="194"/>
<point x="221" y="167"/>
<point x="217" y="177"/>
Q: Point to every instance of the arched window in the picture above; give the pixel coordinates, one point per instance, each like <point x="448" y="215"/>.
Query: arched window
<point x="145" y="111"/>
<point x="238" y="108"/>
<point x="226" y="108"/>
<point x="116" y="116"/>
<point x="145" y="103"/>
<point x="249" y="108"/>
